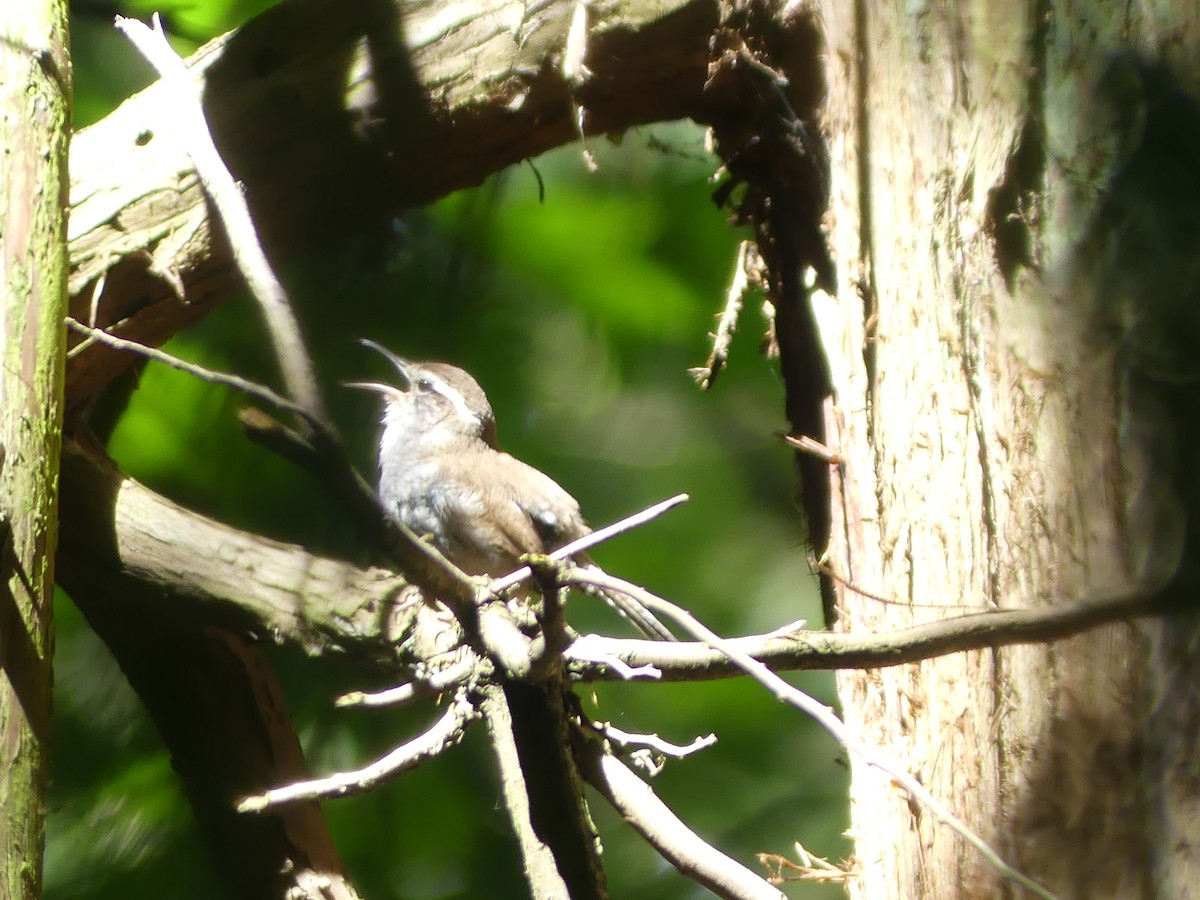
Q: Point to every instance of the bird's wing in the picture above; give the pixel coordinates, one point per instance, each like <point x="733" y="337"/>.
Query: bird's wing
<point x="543" y="516"/>
<point x="512" y="511"/>
<point x="555" y="516"/>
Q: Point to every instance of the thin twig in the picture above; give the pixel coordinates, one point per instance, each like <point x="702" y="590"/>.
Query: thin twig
<point x="823" y="714"/>
<point x="826" y="569"/>
<point x="400" y="695"/>
<point x="576" y="74"/>
<point x="813" y="447"/>
<point x="812" y="868"/>
<point x="245" y="386"/>
<point x="226" y="195"/>
<point x="451" y="676"/>
<point x="735" y="299"/>
<point x="588" y="541"/>
<point x="584" y="649"/>
<point x="631" y="739"/>
<point x="445" y="733"/>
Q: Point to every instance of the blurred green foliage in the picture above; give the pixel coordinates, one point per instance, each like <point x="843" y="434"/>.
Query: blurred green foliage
<point x="580" y="314"/>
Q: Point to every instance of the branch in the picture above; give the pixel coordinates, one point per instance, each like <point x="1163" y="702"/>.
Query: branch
<point x="438" y="682"/>
<point x="549" y="846"/>
<point x="445" y="733"/>
<point x="238" y="383"/>
<point x="594" y="649"/>
<point x="641" y="619"/>
<point x="663" y="830"/>
<point x="803" y="650"/>
<point x="822" y="714"/>
<point x="112" y="522"/>
<point x="188" y="115"/>
<point x="648" y="752"/>
<point x="590" y="540"/>
<point x="627" y="739"/>
<point x="540" y="868"/>
<point x="747" y="271"/>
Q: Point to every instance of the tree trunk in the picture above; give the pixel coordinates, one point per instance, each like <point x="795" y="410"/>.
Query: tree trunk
<point x="1013" y="352"/>
<point x="35" y="87"/>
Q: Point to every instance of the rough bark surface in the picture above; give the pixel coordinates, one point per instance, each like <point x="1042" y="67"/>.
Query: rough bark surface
<point x="1006" y="441"/>
<point x="35" y="89"/>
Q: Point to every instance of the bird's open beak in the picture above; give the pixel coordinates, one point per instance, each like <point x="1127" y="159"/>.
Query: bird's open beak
<point x="387" y="390"/>
<point x="399" y="362"/>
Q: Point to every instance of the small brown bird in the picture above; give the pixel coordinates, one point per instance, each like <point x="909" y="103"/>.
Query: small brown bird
<point x="442" y="474"/>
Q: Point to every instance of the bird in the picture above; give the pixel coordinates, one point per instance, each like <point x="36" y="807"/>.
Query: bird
<point x="443" y="475"/>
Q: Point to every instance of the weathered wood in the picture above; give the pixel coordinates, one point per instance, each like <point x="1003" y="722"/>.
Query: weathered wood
<point x="996" y="455"/>
<point x="336" y="115"/>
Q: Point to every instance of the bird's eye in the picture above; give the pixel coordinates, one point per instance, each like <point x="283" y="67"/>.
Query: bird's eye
<point x="424" y="385"/>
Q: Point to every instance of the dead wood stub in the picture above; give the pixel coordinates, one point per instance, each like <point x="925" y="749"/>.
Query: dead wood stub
<point x="763" y="98"/>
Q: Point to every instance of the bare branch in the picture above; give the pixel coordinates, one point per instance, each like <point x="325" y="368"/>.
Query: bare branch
<point x="648" y="752"/>
<point x="663" y="830"/>
<point x="400" y="695"/>
<point x="588" y="541"/>
<point x="735" y="299"/>
<point x="823" y="714"/>
<point x="226" y="195"/>
<point x="584" y="650"/>
<point x="445" y="733"/>
<point x="541" y="870"/>
<point x="502" y="638"/>
<point x="443" y="680"/>
<point x="831" y="650"/>
<point x="111" y="523"/>
<point x="653" y="741"/>
<point x="811" y="868"/>
<point x="245" y="386"/>
<point x="805" y="444"/>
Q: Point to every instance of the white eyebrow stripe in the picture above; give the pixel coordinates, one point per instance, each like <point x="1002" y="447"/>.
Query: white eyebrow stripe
<point x="455" y="398"/>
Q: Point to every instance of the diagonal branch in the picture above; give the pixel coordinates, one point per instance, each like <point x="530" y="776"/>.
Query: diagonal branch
<point x="226" y="379"/>
<point x="663" y="830"/>
<point x="592" y="539"/>
<point x="442" y="735"/>
<point x="298" y="373"/>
